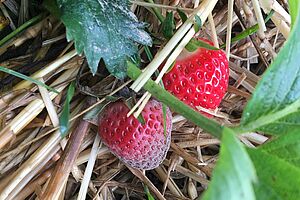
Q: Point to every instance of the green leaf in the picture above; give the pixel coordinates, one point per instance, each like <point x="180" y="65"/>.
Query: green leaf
<point x="182" y="15"/>
<point x="275" y="176"/>
<point x="52" y="7"/>
<point x="294" y="10"/>
<point x="275" y="104"/>
<point x="147" y="192"/>
<point x="234" y="173"/>
<point x="285" y="147"/>
<point x="168" y="25"/>
<point x="265" y="192"/>
<point x="104" y="29"/>
<point x="194" y="44"/>
<point x="27" y="78"/>
<point x="65" y="114"/>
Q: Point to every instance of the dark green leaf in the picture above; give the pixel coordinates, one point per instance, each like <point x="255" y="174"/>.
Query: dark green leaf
<point x="168" y="25"/>
<point x="275" y="104"/>
<point x="27" y="78"/>
<point x="275" y="176"/>
<point x="286" y="147"/>
<point x="198" y="23"/>
<point x="182" y="15"/>
<point x="104" y="29"/>
<point x="194" y="44"/>
<point x="65" y="114"/>
<point x="52" y="7"/>
<point x="234" y="173"/>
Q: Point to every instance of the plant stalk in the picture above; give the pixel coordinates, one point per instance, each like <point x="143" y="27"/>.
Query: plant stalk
<point x="66" y="162"/>
<point x="165" y="97"/>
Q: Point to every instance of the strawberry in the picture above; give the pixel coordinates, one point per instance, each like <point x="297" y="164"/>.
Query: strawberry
<point x="199" y="78"/>
<point x="142" y="146"/>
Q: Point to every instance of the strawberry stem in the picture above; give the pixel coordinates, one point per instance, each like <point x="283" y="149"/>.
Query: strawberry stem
<point x="165" y="97"/>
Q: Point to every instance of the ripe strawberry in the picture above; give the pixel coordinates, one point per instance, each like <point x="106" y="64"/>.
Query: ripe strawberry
<point x="199" y="78"/>
<point x="142" y="146"/>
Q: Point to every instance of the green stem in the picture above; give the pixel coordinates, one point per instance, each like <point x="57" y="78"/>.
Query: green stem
<point x="165" y="97"/>
<point x="249" y="31"/>
<point x="157" y="12"/>
<point x="21" y="28"/>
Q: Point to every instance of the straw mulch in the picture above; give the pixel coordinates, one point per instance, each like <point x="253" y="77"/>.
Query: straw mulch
<point x="30" y="142"/>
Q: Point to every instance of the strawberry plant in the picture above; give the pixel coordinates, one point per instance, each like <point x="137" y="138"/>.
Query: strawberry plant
<point x="241" y="173"/>
<point x="160" y="58"/>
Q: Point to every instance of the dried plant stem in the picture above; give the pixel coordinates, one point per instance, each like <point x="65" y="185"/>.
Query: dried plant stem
<point x="21" y="28"/>
<point x="267" y="5"/>
<point x="89" y="169"/>
<point x="229" y="27"/>
<point x="49" y="105"/>
<point x="64" y="165"/>
<point x="46" y="70"/>
<point x="154" y="5"/>
<point x="188" y="173"/>
<point x="202" y="11"/>
<point x="31" y="111"/>
<point x="33" y="172"/>
<point x="162" y="173"/>
<point x="29" y="189"/>
<point x="259" y="16"/>
<point x="145" y="180"/>
<point x="43" y="153"/>
<point x="213" y="30"/>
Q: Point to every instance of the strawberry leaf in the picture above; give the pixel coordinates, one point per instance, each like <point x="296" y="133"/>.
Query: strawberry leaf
<point x="275" y="104"/>
<point x="275" y="177"/>
<point x="104" y="29"/>
<point x="286" y="147"/>
<point x="234" y="174"/>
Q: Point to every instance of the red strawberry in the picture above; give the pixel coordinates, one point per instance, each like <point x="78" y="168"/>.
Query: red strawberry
<point x="199" y="78"/>
<point x="142" y="146"/>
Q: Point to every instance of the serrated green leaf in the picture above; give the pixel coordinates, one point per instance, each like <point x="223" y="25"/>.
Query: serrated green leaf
<point x="275" y="104"/>
<point x="104" y="29"/>
<point x="286" y="147"/>
<point x="27" y="78"/>
<point x="234" y="173"/>
<point x="65" y="114"/>
<point x="276" y="176"/>
<point x="168" y="25"/>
